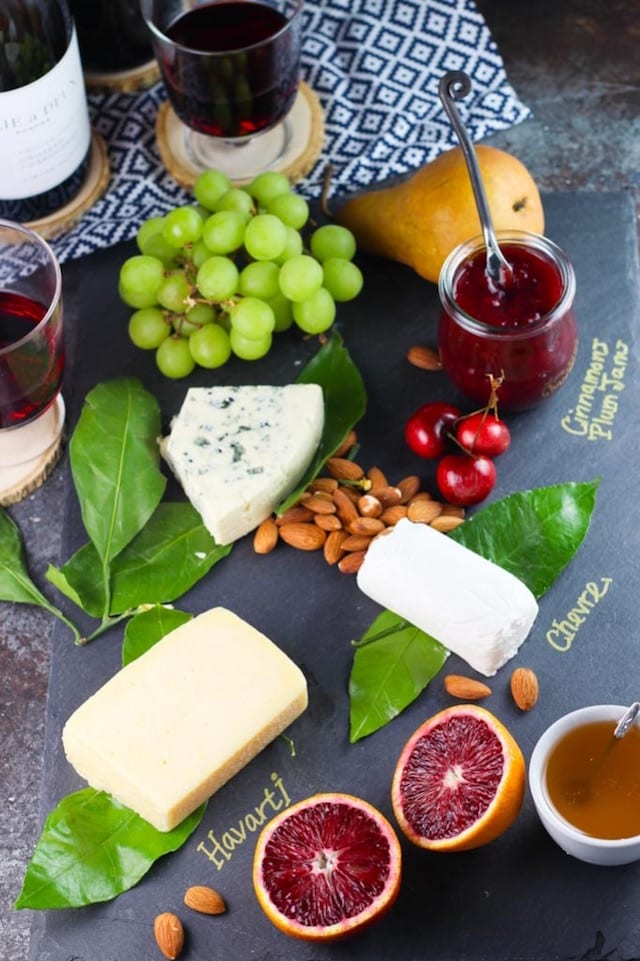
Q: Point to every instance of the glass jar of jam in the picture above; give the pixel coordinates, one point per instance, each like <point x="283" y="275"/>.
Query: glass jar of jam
<point x="523" y="330"/>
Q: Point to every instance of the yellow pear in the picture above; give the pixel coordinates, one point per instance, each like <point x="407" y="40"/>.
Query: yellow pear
<point x="420" y="220"/>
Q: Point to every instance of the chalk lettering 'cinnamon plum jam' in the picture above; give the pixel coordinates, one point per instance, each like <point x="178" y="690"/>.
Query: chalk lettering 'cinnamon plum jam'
<point x="524" y="330"/>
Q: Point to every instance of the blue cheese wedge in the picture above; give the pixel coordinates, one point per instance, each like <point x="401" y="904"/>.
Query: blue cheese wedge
<point x="173" y="726"/>
<point x="238" y="451"/>
<point x="475" y="608"/>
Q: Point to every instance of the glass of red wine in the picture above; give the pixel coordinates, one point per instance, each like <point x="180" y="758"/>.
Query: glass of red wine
<point x="32" y="355"/>
<point x="231" y="70"/>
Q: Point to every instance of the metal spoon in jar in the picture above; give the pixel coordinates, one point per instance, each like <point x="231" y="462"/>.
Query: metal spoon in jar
<point x="453" y="86"/>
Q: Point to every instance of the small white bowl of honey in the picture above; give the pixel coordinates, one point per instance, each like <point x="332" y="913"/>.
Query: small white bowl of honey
<point x="585" y="784"/>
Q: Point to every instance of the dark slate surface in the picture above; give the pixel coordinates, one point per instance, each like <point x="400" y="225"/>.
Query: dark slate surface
<point x="519" y="898"/>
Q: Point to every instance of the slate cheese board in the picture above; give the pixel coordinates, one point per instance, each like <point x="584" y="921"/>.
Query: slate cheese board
<point x="520" y="897"/>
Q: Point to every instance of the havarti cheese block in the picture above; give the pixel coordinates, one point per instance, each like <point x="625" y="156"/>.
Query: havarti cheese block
<point x="238" y="451"/>
<point x="173" y="726"/>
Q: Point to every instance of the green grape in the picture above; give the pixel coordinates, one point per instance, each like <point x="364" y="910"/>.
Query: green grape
<point x="293" y="246"/>
<point x="249" y="348"/>
<point x="332" y="240"/>
<point x="199" y="253"/>
<point x="148" y="327"/>
<point x="342" y="278"/>
<point x="265" y="237"/>
<point x="140" y="279"/>
<point x="268" y="185"/>
<point x="259" y="279"/>
<point x="209" y="187"/>
<point x="194" y="319"/>
<point x="238" y="200"/>
<point x="174" y="359"/>
<point x="292" y="209"/>
<point x="252" y="318"/>
<point x="210" y="346"/>
<point x="300" y="277"/>
<point x="175" y="291"/>
<point x="223" y="231"/>
<point x="148" y="229"/>
<point x="316" y="314"/>
<point x="157" y="246"/>
<point x="282" y="311"/>
<point x="217" y="278"/>
<point x="183" y="225"/>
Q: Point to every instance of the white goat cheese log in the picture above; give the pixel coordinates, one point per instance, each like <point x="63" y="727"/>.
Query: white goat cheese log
<point x="474" y="608"/>
<point x="238" y="451"/>
<point x="174" y="725"/>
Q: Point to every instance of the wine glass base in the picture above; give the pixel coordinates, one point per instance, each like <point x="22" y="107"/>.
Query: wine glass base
<point x="240" y="159"/>
<point x="29" y="453"/>
<point x="294" y="154"/>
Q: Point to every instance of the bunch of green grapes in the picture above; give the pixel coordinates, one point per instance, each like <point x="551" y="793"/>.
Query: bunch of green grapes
<point x="224" y="275"/>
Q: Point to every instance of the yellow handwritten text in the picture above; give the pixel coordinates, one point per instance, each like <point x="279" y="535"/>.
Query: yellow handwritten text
<point x="595" y="411"/>
<point x="562" y="633"/>
<point x="220" y="850"/>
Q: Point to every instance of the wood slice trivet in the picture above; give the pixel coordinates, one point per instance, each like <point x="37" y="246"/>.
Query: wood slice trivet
<point x="308" y="124"/>
<point x="95" y="184"/>
<point x="124" y="81"/>
<point x="19" y="480"/>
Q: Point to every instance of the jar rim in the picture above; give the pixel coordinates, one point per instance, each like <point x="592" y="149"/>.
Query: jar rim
<point x="542" y="245"/>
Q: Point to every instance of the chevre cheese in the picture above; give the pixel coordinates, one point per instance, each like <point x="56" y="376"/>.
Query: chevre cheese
<point x="174" y="725"/>
<point x="474" y="608"/>
<point x="238" y="451"/>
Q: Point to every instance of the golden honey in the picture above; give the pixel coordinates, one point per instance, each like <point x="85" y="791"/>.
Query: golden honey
<point x="593" y="780"/>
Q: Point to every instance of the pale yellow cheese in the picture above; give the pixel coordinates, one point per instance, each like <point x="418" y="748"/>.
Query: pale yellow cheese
<point x="173" y="726"/>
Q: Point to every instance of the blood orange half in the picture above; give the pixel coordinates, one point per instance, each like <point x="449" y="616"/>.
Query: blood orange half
<point x="459" y="782"/>
<point x="326" y="867"/>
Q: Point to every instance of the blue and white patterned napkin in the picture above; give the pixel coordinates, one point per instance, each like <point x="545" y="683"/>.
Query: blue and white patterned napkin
<point x="375" y="66"/>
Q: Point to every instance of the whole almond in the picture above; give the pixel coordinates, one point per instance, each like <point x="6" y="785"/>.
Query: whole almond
<point x="169" y="934"/>
<point x="408" y="487"/>
<point x="466" y="688"/>
<point x="320" y="503"/>
<point x="201" y="898"/>
<point x="356" y="542"/>
<point x="351" y="563"/>
<point x="345" y="507"/>
<point x="377" y="477"/>
<point x="366" y="525"/>
<point x="333" y="546"/>
<point x="426" y="358"/>
<point x="304" y="537"/>
<point x="266" y="536"/>
<point x="328" y="522"/>
<point x="524" y="688"/>
<point x="446" y="522"/>
<point x="350" y="441"/>
<point x="344" y="469"/>
<point x="295" y="515"/>
<point x="388" y="496"/>
<point x="369" y="506"/>
<point x="391" y="515"/>
<point x="423" y="512"/>
<point x="327" y="484"/>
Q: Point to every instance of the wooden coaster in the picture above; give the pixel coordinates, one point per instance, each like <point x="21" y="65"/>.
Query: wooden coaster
<point x="124" y="81"/>
<point x="41" y="442"/>
<point x="95" y="184"/>
<point x="307" y="120"/>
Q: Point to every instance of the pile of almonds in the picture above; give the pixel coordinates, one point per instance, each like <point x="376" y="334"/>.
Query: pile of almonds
<point x="341" y="513"/>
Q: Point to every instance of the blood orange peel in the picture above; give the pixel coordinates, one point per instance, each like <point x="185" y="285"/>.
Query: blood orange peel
<point x="326" y="867"/>
<point x="459" y="782"/>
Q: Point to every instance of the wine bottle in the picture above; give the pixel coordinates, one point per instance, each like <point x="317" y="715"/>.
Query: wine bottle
<point x="45" y="135"/>
<point x="113" y="36"/>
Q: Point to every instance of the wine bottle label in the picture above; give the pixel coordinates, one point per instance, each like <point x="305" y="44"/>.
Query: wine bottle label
<point x="44" y="129"/>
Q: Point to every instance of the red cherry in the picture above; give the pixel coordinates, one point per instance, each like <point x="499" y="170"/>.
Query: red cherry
<point x="483" y="433"/>
<point x="465" y="479"/>
<point x="425" y="431"/>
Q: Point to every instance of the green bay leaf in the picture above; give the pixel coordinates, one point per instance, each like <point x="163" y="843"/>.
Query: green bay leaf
<point x="345" y="402"/>
<point x="93" y="848"/>
<point x="148" y="627"/>
<point x="393" y="663"/>
<point x="15" y="582"/>
<point x="115" y="463"/>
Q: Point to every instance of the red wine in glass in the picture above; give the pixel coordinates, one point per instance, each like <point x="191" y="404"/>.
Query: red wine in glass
<point x="232" y="68"/>
<point x="31" y="358"/>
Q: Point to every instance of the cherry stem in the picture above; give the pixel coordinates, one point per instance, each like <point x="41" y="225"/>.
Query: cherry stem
<point x="491" y="407"/>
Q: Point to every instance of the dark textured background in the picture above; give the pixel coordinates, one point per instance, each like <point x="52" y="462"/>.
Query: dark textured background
<point x="575" y="65"/>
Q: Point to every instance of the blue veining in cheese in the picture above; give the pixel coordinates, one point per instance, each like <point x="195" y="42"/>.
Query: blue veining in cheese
<point x="238" y="451"/>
